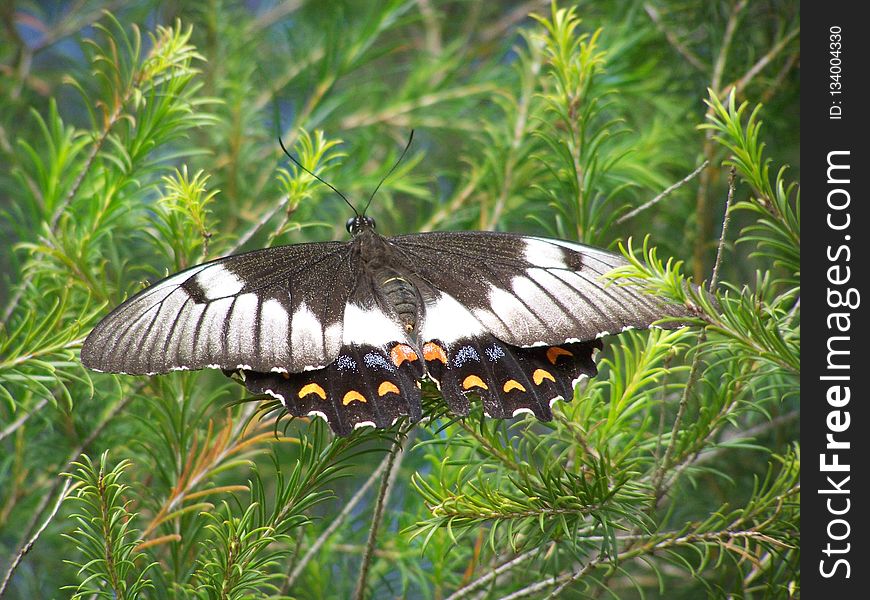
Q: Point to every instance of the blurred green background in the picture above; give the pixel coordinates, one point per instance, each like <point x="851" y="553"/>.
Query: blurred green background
<point x="137" y="138"/>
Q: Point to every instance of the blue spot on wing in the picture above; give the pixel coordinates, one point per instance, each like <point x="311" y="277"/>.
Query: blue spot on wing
<point x="374" y="360"/>
<point x="464" y="354"/>
<point x="345" y="363"/>
<point x="494" y="352"/>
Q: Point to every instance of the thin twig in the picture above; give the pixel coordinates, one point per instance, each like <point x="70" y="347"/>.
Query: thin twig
<point x="281" y="203"/>
<point x="658" y="477"/>
<point x="519" y="132"/>
<point x="25" y="548"/>
<point x="274" y="15"/>
<point x="519" y="13"/>
<point x="720" y="250"/>
<point x="663" y="403"/>
<point x="537" y="588"/>
<point x="489" y="576"/>
<point x="663" y="195"/>
<point x="587" y="568"/>
<point x="747" y="434"/>
<point x="336" y="523"/>
<point x="46" y="498"/>
<point x="432" y="30"/>
<point x="698" y="457"/>
<point x="13" y="427"/>
<point x="704" y="219"/>
<point x="392" y="469"/>
<point x="222" y="447"/>
<point x="390" y="113"/>
<point x="771" y="90"/>
<point x="89" y="160"/>
<point x="672" y="38"/>
<point x="761" y="63"/>
<point x="727" y="39"/>
<point x="73" y="23"/>
<point x="278" y="82"/>
<point x="673" y="540"/>
<point x="459" y="199"/>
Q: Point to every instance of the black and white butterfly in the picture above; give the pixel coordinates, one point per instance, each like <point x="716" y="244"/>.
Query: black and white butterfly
<point x="347" y="331"/>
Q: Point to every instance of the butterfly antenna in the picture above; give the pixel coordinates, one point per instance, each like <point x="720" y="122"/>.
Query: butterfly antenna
<point x="408" y="145"/>
<point x="326" y="183"/>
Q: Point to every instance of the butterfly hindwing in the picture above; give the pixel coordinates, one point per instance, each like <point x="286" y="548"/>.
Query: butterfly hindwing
<point x="365" y="385"/>
<point x="508" y="379"/>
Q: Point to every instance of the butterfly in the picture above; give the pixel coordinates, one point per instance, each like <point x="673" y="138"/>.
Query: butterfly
<point x="348" y="331"/>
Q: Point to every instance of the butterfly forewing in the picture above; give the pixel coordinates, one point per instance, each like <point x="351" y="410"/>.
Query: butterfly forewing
<point x="274" y="309"/>
<point x="530" y="291"/>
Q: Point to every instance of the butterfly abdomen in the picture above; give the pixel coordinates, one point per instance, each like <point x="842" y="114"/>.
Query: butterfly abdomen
<point x="404" y="299"/>
<point x="383" y="265"/>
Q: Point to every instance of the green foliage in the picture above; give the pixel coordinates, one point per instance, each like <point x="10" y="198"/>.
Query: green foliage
<point x="47" y="372"/>
<point x="576" y="479"/>
<point x="184" y="221"/>
<point x="674" y="473"/>
<point x="108" y="544"/>
<point x="776" y="205"/>
<point x="574" y="104"/>
<point x="243" y="545"/>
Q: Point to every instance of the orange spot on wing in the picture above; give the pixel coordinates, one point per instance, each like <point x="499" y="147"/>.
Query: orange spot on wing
<point x="312" y="388"/>
<point x="402" y="352"/>
<point x="473" y="381"/>
<point x="555" y="352"/>
<point x="386" y="387"/>
<point x="432" y="351"/>
<point x="513" y="384"/>
<point x="540" y="375"/>
<point x="351" y="396"/>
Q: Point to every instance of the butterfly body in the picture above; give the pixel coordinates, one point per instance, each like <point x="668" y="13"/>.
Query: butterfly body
<point x="348" y="330"/>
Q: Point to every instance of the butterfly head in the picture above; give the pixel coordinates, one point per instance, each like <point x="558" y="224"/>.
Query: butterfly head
<point x="359" y="223"/>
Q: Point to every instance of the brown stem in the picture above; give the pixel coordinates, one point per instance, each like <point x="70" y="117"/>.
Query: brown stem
<point x="392" y="470"/>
